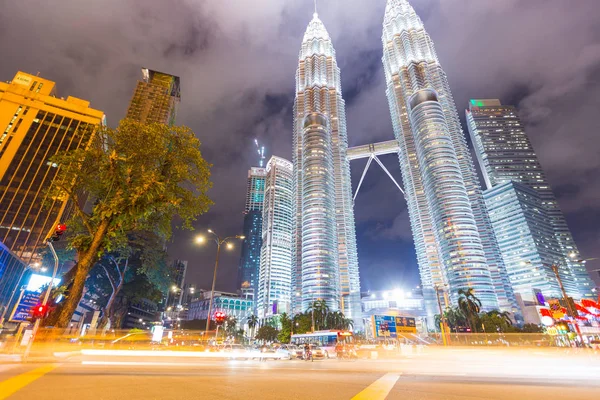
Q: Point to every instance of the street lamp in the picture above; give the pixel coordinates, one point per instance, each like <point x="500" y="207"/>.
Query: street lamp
<point x="219" y="242"/>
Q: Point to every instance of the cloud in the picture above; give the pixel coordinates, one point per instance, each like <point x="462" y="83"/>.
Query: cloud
<point x="237" y="62"/>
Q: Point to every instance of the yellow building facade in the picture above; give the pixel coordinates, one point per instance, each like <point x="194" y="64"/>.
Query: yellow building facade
<point x="35" y="124"/>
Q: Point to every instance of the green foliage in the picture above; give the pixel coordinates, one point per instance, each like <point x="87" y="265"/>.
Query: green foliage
<point x="532" y="328"/>
<point x="495" y="321"/>
<point x="231" y="325"/>
<point x="302" y="323"/>
<point x="470" y="306"/>
<point x="285" y="333"/>
<point x="267" y="333"/>
<point x="141" y="177"/>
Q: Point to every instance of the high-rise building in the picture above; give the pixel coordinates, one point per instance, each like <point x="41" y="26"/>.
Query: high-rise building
<point x="155" y="99"/>
<point x="253" y="222"/>
<point x="177" y="281"/>
<point x="275" y="276"/>
<point x="505" y="154"/>
<point x="527" y="241"/>
<point x="325" y="259"/>
<point x="34" y="126"/>
<point x="453" y="236"/>
<point x="13" y="273"/>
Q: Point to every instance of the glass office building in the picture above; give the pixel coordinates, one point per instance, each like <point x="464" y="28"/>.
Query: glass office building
<point x="505" y="154"/>
<point x="253" y="221"/>
<point x="275" y="275"/>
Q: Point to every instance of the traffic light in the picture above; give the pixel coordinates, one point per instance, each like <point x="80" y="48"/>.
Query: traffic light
<point x="220" y="317"/>
<point x="58" y="232"/>
<point x="40" y="311"/>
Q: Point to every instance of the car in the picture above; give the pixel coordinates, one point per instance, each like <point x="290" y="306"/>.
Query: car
<point x="318" y="353"/>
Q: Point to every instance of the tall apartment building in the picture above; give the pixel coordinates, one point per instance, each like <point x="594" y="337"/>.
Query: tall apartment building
<point x="34" y="126"/>
<point x="275" y="277"/>
<point x="156" y="98"/>
<point x="527" y="240"/>
<point x="177" y="278"/>
<point x="453" y="236"/>
<point x="253" y="222"/>
<point x="324" y="256"/>
<point x="505" y="154"/>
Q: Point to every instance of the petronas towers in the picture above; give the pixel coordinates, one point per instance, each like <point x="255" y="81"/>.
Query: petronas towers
<point x="325" y="258"/>
<point x="452" y="232"/>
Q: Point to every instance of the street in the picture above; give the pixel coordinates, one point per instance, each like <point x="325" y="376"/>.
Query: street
<point x="436" y="375"/>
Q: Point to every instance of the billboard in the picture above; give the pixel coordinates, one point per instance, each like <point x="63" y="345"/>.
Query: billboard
<point x="30" y="296"/>
<point x="27" y="301"/>
<point x="391" y="326"/>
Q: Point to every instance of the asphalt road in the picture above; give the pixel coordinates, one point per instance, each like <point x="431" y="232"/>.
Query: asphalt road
<point x="154" y="378"/>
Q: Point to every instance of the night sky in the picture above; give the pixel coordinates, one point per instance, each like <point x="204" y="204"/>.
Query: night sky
<point x="237" y="61"/>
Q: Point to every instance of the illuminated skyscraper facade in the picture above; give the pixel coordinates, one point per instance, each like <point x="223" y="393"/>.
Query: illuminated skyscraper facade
<point x="34" y="126"/>
<point x="156" y="98"/>
<point x="505" y="154"/>
<point x="325" y="259"/>
<point x="527" y="241"/>
<point x="453" y="236"/>
<point x="274" y="294"/>
<point x="253" y="221"/>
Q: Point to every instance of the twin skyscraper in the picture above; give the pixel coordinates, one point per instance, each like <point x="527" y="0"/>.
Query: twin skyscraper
<point x="453" y="234"/>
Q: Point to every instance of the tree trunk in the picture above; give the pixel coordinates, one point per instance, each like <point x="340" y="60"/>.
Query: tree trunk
<point x="84" y="265"/>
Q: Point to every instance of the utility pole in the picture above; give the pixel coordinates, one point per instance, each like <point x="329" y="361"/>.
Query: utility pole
<point x="572" y="313"/>
<point x="442" y="317"/>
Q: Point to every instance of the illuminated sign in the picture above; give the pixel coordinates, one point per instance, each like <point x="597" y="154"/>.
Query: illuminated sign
<point x="38" y="282"/>
<point x="22" y="79"/>
<point x="27" y="301"/>
<point x="389" y="326"/>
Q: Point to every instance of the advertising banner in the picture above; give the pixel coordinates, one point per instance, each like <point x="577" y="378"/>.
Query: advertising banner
<point x="389" y="326"/>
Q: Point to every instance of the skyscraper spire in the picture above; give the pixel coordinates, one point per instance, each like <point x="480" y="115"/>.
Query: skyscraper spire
<point x="316" y="13"/>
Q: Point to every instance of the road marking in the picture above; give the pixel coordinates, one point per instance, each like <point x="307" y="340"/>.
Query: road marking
<point x="379" y="389"/>
<point x="16" y="383"/>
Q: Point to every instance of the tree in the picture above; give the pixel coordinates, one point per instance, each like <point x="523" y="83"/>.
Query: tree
<point x="495" y="321"/>
<point x="252" y="323"/>
<point x="267" y="333"/>
<point x="285" y="333"/>
<point x="140" y="177"/>
<point x="231" y="325"/>
<point x="302" y="322"/>
<point x="319" y="310"/>
<point x="470" y="306"/>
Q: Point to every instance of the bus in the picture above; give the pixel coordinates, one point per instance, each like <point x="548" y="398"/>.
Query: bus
<point x="324" y="339"/>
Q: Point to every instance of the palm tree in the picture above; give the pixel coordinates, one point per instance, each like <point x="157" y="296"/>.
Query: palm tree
<point x="470" y="306"/>
<point x="319" y="310"/>
<point x="454" y="318"/>
<point x="252" y="323"/>
<point x="231" y="325"/>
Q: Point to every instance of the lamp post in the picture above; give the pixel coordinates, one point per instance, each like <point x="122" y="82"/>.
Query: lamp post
<point x="219" y="242"/>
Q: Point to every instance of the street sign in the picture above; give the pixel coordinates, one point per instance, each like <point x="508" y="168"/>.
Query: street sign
<point x="27" y="301"/>
<point x="384" y="326"/>
<point x="406" y="325"/>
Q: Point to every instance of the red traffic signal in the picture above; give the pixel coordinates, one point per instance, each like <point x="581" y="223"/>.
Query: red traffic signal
<point x="58" y="232"/>
<point x="220" y="317"/>
<point x="40" y="311"/>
